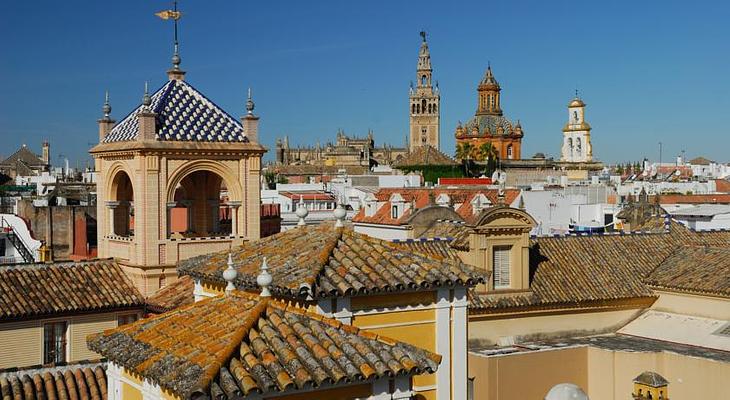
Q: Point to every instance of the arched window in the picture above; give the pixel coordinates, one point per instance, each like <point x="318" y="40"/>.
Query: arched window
<point x="201" y="206"/>
<point x="423" y="80"/>
<point x="434" y="108"/>
<point x="577" y="145"/>
<point x="429" y="109"/>
<point x="575" y="116"/>
<point x="394" y="212"/>
<point x="423" y="106"/>
<point x="570" y="145"/>
<point x="122" y="206"/>
<point x="418" y="108"/>
<point x="509" y="152"/>
<point x="413" y="108"/>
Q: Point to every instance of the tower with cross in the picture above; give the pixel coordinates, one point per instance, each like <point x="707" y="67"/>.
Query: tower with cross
<point x="425" y="103"/>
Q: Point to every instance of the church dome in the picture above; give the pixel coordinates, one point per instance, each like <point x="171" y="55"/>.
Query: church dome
<point x="576" y="102"/>
<point x="566" y="391"/>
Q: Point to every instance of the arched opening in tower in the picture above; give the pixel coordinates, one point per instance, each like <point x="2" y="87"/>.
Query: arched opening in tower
<point x="122" y="206"/>
<point x="200" y="207"/>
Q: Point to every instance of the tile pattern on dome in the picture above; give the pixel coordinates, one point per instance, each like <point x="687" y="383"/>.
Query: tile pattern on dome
<point x="322" y="261"/>
<point x="239" y="344"/>
<point x="183" y="114"/>
<point x="35" y="290"/>
<point x="71" y="381"/>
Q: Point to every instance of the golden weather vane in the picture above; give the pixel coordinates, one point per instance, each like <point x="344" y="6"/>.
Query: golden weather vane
<point x="174" y="15"/>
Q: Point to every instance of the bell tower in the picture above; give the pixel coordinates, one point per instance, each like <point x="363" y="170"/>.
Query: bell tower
<point x="576" y="134"/>
<point x="425" y="103"/>
<point x="489" y="95"/>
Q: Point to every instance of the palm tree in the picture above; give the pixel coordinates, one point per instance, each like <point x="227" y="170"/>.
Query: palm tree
<point x="464" y="151"/>
<point x="487" y="152"/>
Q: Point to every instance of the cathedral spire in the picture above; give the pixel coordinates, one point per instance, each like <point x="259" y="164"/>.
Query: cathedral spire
<point x="423" y="72"/>
<point x="425" y="104"/>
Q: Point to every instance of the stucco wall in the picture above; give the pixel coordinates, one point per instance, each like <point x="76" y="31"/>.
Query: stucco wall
<point x="21" y="343"/>
<point x="483" y="331"/>
<point x="701" y="306"/>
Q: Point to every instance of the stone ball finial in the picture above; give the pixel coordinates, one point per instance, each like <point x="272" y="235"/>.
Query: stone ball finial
<point x="264" y="279"/>
<point x="340" y="214"/>
<point x="230" y="274"/>
<point x="302" y="211"/>
<point x="146" y="99"/>
<point x="107" y="108"/>
<point x="249" y="103"/>
<point x="566" y="391"/>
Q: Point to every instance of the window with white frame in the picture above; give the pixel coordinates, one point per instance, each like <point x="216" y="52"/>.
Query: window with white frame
<point x="54" y="342"/>
<point x="501" y="265"/>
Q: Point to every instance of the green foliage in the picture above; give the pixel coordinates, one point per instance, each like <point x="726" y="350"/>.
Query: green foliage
<point x="272" y="178"/>
<point x="431" y="173"/>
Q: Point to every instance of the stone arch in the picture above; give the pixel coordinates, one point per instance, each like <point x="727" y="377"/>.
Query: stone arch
<point x="120" y="195"/>
<point x="520" y="218"/>
<point x="199" y="198"/>
<point x="229" y="177"/>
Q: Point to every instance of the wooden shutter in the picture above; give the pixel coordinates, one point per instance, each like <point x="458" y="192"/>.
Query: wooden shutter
<point x="501" y="264"/>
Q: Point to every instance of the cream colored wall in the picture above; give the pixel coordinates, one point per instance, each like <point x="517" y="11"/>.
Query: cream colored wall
<point x="602" y="374"/>
<point x="21" y="343"/>
<point x="612" y="373"/>
<point x="500" y="232"/>
<point x="701" y="306"/>
<point x="483" y="331"/>
<point x="528" y="375"/>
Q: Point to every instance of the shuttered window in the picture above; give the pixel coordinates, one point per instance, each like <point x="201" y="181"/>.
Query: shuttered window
<point x="501" y="263"/>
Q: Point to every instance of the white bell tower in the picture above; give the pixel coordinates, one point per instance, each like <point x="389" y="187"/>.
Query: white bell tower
<point x="576" y="134"/>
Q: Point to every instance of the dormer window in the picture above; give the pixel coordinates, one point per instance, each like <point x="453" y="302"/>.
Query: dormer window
<point x="501" y="266"/>
<point x="394" y="212"/>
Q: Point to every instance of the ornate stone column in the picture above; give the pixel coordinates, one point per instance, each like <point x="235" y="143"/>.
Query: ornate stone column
<point x="111" y="205"/>
<point x="234" y="216"/>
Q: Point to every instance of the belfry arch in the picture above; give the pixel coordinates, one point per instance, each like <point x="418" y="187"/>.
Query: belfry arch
<point x="121" y="205"/>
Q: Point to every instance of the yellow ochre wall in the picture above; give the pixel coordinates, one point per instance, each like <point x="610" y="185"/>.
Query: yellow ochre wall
<point x="416" y="327"/>
<point x="21" y="343"/>
<point x="602" y="374"/>
<point x="689" y="304"/>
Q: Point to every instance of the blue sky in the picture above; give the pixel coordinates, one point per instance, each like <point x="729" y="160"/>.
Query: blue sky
<point x="649" y="71"/>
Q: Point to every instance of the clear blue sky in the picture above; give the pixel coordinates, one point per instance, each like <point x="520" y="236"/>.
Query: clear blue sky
<point x="649" y="71"/>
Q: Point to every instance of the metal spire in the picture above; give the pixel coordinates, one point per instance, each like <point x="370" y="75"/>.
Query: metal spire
<point x="249" y="103"/>
<point x="107" y="108"/>
<point x="146" y="99"/>
<point x="175" y="15"/>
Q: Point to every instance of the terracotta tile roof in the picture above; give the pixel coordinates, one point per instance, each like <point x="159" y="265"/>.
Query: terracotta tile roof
<point x="694" y="269"/>
<point x="176" y="294"/>
<point x="700" y="161"/>
<point x="36" y="290"/>
<point x="435" y="248"/>
<point x="322" y="261"/>
<point x="716" y="198"/>
<point x="239" y="344"/>
<point x="72" y="381"/>
<point x="421" y="197"/>
<point x="24" y="156"/>
<point x="382" y="216"/>
<point x="722" y="185"/>
<point x="583" y="270"/>
<point x="424" y="155"/>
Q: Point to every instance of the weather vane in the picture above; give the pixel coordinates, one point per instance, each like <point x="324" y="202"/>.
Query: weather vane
<point x="174" y="15"/>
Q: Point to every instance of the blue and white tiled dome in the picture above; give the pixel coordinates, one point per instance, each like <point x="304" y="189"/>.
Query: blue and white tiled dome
<point x="183" y="114"/>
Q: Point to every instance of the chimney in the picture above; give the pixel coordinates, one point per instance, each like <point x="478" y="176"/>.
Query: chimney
<point x="250" y="121"/>
<point x="105" y="122"/>
<point x="146" y="119"/>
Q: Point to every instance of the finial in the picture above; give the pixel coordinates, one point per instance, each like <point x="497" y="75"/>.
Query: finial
<point x="340" y="214"/>
<point x="264" y="279"/>
<point x="249" y="103"/>
<point x="230" y="275"/>
<point x="423" y="36"/>
<point x="146" y="99"/>
<point x="302" y="211"/>
<point x="107" y="108"/>
<point x="576" y="94"/>
<point x="175" y="15"/>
